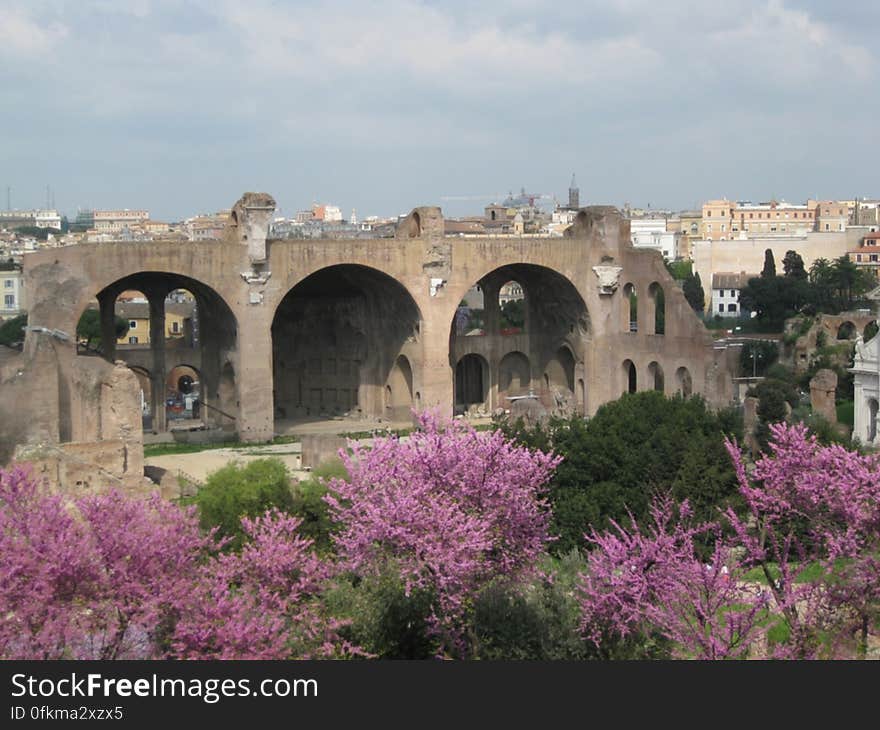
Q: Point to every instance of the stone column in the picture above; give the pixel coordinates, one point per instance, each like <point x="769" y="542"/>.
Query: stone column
<point x="491" y="307"/>
<point x="107" y="302"/>
<point x="822" y="389"/>
<point x="645" y="325"/>
<point x="254" y="377"/>
<point x="156" y="299"/>
<point x="437" y="375"/>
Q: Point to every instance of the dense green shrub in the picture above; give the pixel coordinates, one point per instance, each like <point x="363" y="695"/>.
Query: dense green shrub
<point x="382" y="617"/>
<point x="308" y="503"/>
<point x="237" y="491"/>
<point x="639" y="444"/>
<point x="12" y="330"/>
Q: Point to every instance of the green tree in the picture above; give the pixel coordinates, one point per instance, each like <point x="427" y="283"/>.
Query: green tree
<point x="839" y="285"/>
<point x="852" y="283"/>
<point x="12" y="330"/>
<point x="775" y="399"/>
<point x="89" y="328"/>
<point x="633" y="446"/>
<point x="308" y="503"/>
<point x="771" y="409"/>
<point x="680" y="270"/>
<point x="693" y="292"/>
<point x="659" y="311"/>
<point x="793" y="265"/>
<point x="822" y="278"/>
<point x="769" y="270"/>
<point x="775" y="298"/>
<point x="756" y="356"/>
<point x="237" y="491"/>
<point x="513" y="313"/>
<point x="382" y="616"/>
<point x="761" y="296"/>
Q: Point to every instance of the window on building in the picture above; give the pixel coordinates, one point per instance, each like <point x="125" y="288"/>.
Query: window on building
<point x="9" y="301"/>
<point x="8" y="283"/>
<point x="175" y="327"/>
<point x="723" y="227"/>
<point x="873" y="257"/>
<point x="751" y="215"/>
<point x="720" y="307"/>
<point x="731" y="307"/>
<point x="132" y="324"/>
<point x="827" y="227"/>
<point x="858" y="257"/>
<point x="132" y="340"/>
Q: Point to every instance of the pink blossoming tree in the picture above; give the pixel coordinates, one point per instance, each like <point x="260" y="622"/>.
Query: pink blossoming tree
<point x="811" y="505"/>
<point x="651" y="579"/>
<point x="90" y="578"/>
<point x="450" y="506"/>
<point x="113" y="577"/>
<point x="262" y="602"/>
<point x="812" y="524"/>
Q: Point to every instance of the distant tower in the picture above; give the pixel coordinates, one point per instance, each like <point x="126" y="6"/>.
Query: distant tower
<point x="354" y="217"/>
<point x="574" y="195"/>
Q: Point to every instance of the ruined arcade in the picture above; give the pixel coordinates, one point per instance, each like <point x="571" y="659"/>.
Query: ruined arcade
<point x="366" y="328"/>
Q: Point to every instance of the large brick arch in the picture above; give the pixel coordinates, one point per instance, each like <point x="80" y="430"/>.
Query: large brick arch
<point x="588" y="266"/>
<point x="337" y="336"/>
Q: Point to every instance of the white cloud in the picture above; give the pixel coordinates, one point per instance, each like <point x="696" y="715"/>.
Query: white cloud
<point x="22" y="35"/>
<point x="610" y="84"/>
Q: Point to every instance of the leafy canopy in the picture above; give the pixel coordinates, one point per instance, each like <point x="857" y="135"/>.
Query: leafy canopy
<point x="632" y="447"/>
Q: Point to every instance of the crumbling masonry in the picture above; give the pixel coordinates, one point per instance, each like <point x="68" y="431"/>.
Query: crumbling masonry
<point x="293" y="328"/>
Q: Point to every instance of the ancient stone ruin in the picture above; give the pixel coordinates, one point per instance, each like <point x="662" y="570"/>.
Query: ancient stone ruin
<point x="328" y="328"/>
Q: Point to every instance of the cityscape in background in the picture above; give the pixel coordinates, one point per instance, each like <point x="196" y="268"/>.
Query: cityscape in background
<point x="724" y="239"/>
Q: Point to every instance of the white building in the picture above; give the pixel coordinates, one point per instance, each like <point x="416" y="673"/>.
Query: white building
<point x="47" y="219"/>
<point x="866" y="379"/>
<point x="725" y="293"/>
<point x="510" y="292"/>
<point x="327" y="213"/>
<point x="39" y="218"/>
<point x="11" y="293"/>
<point x="652" y="233"/>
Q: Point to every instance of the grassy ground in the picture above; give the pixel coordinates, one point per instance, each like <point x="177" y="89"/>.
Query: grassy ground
<point x="175" y="448"/>
<point x="811" y="572"/>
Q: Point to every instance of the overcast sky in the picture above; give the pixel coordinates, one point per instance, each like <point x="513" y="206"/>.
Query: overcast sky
<point x="179" y="106"/>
